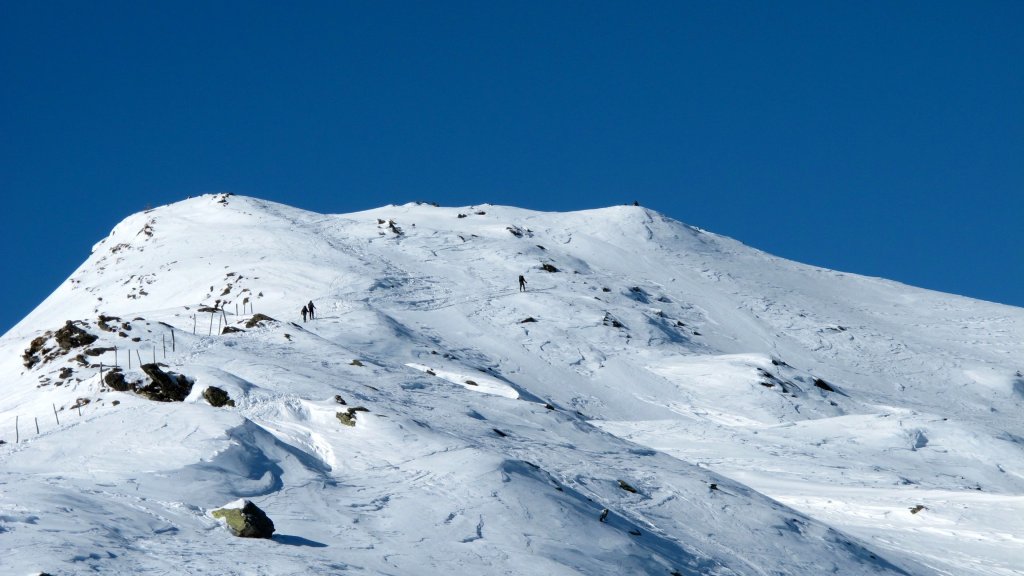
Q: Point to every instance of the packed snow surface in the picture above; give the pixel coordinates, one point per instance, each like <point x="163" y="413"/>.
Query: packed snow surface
<point x="660" y="400"/>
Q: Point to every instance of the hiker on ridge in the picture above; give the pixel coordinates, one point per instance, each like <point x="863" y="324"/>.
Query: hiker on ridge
<point x="311" y="308"/>
<point x="304" y="312"/>
<point x="522" y="283"/>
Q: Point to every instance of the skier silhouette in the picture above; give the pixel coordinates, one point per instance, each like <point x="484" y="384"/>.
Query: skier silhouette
<point x="304" y="312"/>
<point x="311" y="308"/>
<point x="522" y="283"/>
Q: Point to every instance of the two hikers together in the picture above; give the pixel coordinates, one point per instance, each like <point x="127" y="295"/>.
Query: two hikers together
<point x="308" y="310"/>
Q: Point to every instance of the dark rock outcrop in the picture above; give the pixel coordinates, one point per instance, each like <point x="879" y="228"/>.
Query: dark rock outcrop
<point x="71" y="336"/>
<point x="348" y="418"/>
<point x="115" y="380"/>
<point x="217" y="397"/>
<point x="246" y="521"/>
<point x="258" y="319"/>
<point x="164" y="387"/>
<point x="35" y="348"/>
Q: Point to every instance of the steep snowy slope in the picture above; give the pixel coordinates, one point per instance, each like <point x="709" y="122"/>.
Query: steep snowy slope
<point x="735" y="413"/>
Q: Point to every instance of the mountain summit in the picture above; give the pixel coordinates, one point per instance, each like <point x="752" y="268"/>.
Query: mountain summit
<point x="658" y="400"/>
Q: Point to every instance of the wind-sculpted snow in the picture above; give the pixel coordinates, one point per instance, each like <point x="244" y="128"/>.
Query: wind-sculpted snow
<point x="659" y="400"/>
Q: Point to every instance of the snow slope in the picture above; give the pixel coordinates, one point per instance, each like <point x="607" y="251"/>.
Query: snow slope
<point x="735" y="413"/>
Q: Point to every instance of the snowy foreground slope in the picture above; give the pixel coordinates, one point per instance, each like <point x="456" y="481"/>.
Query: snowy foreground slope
<point x="734" y="413"/>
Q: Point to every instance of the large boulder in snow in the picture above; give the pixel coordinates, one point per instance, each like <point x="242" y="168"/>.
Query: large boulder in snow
<point x="348" y="418"/>
<point x="258" y="320"/>
<point x="164" y="387"/>
<point x="245" y="520"/>
<point x="217" y="397"/>
<point x="115" y="380"/>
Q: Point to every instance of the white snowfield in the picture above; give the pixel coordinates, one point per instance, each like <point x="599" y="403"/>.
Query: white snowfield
<point x="725" y="411"/>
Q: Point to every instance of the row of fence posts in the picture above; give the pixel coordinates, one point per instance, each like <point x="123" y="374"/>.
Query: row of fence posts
<point x="138" y="356"/>
<point x="222" y="320"/>
<point x="128" y="353"/>
<point x="17" y="422"/>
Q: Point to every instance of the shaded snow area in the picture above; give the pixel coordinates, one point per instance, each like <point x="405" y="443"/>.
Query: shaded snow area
<point x="660" y="400"/>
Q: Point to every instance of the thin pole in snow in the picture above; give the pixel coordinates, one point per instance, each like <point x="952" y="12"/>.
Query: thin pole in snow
<point x="154" y="353"/>
<point x="55" y="414"/>
<point x="210" y="333"/>
<point x="193" y="323"/>
<point x="115" y="357"/>
<point x="37" y="425"/>
<point x="163" y="342"/>
<point x="139" y="356"/>
<point x="172" y="341"/>
<point x="17" y="430"/>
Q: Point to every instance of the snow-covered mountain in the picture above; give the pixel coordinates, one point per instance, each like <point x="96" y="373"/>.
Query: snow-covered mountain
<point x="725" y="411"/>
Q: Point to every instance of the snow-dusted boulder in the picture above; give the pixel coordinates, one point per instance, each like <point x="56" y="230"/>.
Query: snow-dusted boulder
<point x="245" y="520"/>
<point x="217" y="397"/>
<point x="164" y="387"/>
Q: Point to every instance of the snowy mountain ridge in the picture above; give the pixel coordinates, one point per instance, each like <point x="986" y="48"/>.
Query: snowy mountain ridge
<point x="724" y="410"/>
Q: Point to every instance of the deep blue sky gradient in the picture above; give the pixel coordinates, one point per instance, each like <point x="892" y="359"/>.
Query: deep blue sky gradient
<point x="881" y="138"/>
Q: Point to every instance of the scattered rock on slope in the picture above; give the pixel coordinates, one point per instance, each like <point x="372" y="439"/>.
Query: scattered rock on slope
<point x="217" y="397"/>
<point x="164" y="387"/>
<point x="348" y="418"/>
<point x="71" y="336"/>
<point x="245" y="520"/>
<point x="257" y="319"/>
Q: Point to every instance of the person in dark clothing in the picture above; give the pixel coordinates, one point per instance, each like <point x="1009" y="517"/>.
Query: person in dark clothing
<point x="311" y="308"/>
<point x="522" y="283"/>
<point x="304" y="312"/>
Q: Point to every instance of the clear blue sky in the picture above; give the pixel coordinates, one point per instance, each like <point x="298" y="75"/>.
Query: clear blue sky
<point x="882" y="138"/>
